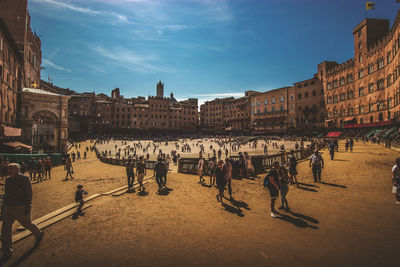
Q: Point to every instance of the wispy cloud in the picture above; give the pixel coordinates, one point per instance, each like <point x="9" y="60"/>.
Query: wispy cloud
<point x="49" y="64"/>
<point x="69" y="6"/>
<point x="236" y="94"/>
<point x="140" y="63"/>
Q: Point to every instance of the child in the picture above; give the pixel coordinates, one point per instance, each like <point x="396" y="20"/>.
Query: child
<point x="79" y="198"/>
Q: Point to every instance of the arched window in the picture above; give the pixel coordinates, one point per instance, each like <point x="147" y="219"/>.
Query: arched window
<point x="370" y="106"/>
<point x="342" y="111"/>
<point x="350" y="110"/>
<point x="335" y="112"/>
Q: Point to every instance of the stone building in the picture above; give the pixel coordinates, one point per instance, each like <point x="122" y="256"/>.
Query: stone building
<point x="44" y="120"/>
<point x="15" y="15"/>
<point x="237" y="113"/>
<point x="310" y="104"/>
<point x="136" y="114"/>
<point x="11" y="65"/>
<point x="273" y="111"/>
<point x="364" y="91"/>
<point x="212" y="117"/>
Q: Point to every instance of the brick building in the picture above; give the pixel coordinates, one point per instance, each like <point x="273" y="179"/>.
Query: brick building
<point x="273" y="111"/>
<point x="10" y="77"/>
<point x="237" y="113"/>
<point x="126" y="115"/>
<point x="15" y="15"/>
<point x="310" y="104"/>
<point x="364" y="91"/>
<point x="212" y="117"/>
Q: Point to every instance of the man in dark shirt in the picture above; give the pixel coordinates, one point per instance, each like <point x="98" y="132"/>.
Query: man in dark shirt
<point x="159" y="171"/>
<point x="17" y="206"/>
<point x="271" y="181"/>
<point x="130" y="174"/>
<point x="220" y="174"/>
<point x="331" y="148"/>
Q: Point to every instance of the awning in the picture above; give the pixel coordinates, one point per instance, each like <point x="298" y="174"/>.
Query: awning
<point x="17" y="145"/>
<point x="228" y="129"/>
<point x="9" y="131"/>
<point x="333" y="134"/>
<point x="349" y="119"/>
<point x="374" y="124"/>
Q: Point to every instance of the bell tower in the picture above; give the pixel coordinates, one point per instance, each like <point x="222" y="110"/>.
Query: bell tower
<point x="160" y="89"/>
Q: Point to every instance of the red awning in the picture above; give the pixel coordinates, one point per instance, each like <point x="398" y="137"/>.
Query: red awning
<point x="9" y="131"/>
<point x="16" y="145"/>
<point x="333" y="134"/>
<point x="374" y="124"/>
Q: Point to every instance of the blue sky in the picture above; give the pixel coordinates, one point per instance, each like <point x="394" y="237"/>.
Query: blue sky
<point x="198" y="48"/>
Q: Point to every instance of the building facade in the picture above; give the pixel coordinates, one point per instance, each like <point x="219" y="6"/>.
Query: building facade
<point x="212" y="119"/>
<point x="15" y="15"/>
<point x="44" y="120"/>
<point x="364" y="91"/>
<point x="156" y="113"/>
<point x="309" y="104"/>
<point x="10" y="77"/>
<point x="273" y="111"/>
<point x="237" y="113"/>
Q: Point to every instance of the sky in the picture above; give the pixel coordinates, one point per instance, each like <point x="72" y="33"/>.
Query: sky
<point x="198" y="48"/>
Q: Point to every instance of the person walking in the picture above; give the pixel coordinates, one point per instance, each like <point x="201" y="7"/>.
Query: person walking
<point x="293" y="168"/>
<point x="396" y="180"/>
<point x="141" y="172"/>
<point x="331" y="148"/>
<point x="228" y="170"/>
<point x="79" y="199"/>
<point x="130" y="174"/>
<point x="211" y="168"/>
<point x="39" y="170"/>
<point x="351" y="144"/>
<point x="241" y="164"/>
<point x="271" y="181"/>
<point x="17" y="206"/>
<point x="220" y="174"/>
<point x="166" y="168"/>
<point x="284" y="187"/>
<point x="32" y="168"/>
<point x="159" y="169"/>
<point x="47" y="168"/>
<point x="69" y="168"/>
<point x="200" y="167"/>
<point x="317" y="163"/>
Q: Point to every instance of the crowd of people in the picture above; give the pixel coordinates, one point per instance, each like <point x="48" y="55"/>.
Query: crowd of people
<point x="17" y="202"/>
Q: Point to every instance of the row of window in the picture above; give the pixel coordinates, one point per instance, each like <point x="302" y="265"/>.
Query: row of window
<point x="362" y="109"/>
<point x="372" y="87"/>
<point x="281" y="108"/>
<point x="266" y="101"/>
<point x="305" y="84"/>
<point x="342" y="81"/>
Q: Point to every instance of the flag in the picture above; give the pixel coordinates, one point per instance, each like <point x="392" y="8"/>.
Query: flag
<point x="48" y="77"/>
<point x="371" y="5"/>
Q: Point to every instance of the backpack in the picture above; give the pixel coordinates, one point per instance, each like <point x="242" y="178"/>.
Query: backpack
<point x="266" y="181"/>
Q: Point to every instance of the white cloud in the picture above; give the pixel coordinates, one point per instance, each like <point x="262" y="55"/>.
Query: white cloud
<point x="128" y="59"/>
<point x="69" y="6"/>
<point x="51" y="65"/>
<point x="236" y="94"/>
